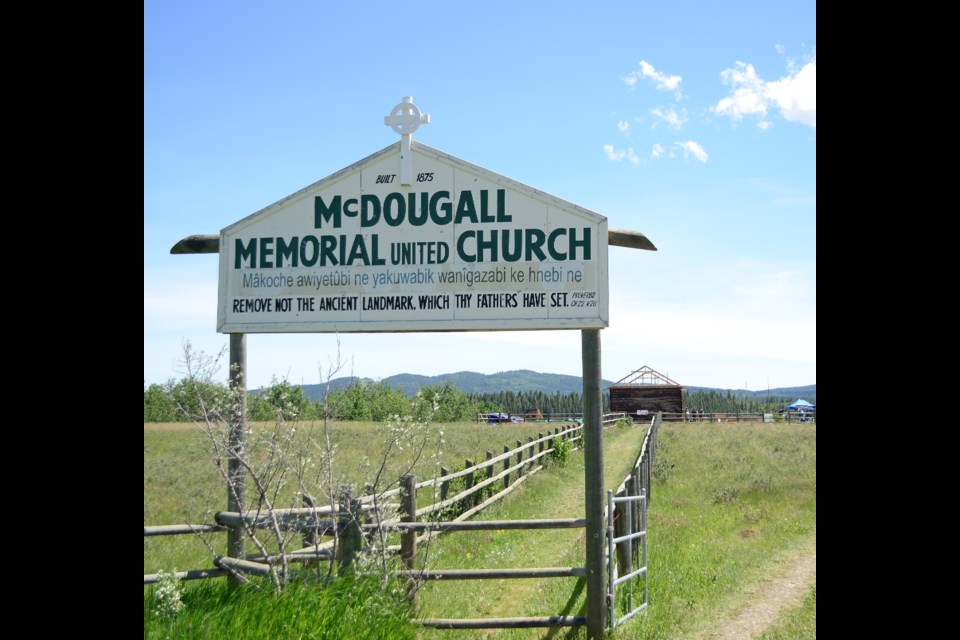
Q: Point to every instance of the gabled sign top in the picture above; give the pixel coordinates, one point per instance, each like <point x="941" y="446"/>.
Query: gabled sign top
<point x="459" y="249"/>
<point x="405" y="119"/>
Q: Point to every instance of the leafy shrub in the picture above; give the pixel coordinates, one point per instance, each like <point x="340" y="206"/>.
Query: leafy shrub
<point x="561" y="451"/>
<point x="661" y="468"/>
<point x="345" y="608"/>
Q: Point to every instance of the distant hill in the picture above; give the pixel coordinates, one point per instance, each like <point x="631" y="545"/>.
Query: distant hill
<point x="469" y="382"/>
<point x="526" y="380"/>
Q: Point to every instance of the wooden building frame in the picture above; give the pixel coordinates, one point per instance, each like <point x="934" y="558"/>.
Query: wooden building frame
<point x="646" y="392"/>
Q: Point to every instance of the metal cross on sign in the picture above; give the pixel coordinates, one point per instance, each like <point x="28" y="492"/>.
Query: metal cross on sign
<point x="405" y="119"/>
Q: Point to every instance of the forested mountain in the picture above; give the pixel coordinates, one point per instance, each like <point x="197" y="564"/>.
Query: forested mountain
<point x="470" y="382"/>
<point x="525" y="380"/>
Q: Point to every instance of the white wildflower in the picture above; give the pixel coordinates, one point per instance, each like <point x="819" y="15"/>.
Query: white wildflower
<point x="168" y="603"/>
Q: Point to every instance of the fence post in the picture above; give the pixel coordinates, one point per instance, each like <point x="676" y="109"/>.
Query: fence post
<point x="445" y="485"/>
<point x="620" y="530"/>
<point x="642" y="469"/>
<point x="643" y="559"/>
<point x="506" y="465"/>
<point x="648" y="474"/>
<point x="371" y="515"/>
<point x="519" y="459"/>
<point x="530" y="451"/>
<point x="592" y="441"/>
<point x="630" y="527"/>
<point x="351" y="536"/>
<point x="540" y="438"/>
<point x="489" y="472"/>
<point x="635" y="491"/>
<point x="469" y="501"/>
<point x="310" y="535"/>
<point x="236" y="477"/>
<point x="408" y="538"/>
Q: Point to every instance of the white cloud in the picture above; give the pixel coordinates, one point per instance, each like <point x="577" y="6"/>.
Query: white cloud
<point x="612" y="154"/>
<point x="673" y="119"/>
<point x="623" y="126"/>
<point x="617" y="156"/>
<point x="687" y="148"/>
<point x="747" y="95"/>
<point x="794" y="96"/>
<point x="660" y="80"/>
<point x="669" y="83"/>
<point x="691" y="148"/>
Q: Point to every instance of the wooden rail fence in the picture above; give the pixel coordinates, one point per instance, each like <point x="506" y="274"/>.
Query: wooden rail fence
<point x="493" y="478"/>
<point x="733" y="416"/>
<point x="362" y="524"/>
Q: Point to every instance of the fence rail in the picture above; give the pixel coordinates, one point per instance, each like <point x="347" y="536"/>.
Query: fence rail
<point x="180" y="529"/>
<point x="504" y="623"/>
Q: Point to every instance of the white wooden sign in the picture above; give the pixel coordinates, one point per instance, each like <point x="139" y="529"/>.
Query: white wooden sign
<point x="458" y="249"/>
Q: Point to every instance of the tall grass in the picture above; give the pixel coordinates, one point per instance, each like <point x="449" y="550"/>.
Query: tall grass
<point x="729" y="504"/>
<point x="182" y="485"/>
<point x="732" y="502"/>
<point x="347" y="608"/>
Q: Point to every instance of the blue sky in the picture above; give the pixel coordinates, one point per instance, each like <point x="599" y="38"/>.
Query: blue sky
<point x="691" y="122"/>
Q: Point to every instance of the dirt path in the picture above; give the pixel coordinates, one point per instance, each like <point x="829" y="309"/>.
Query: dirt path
<point x="784" y="591"/>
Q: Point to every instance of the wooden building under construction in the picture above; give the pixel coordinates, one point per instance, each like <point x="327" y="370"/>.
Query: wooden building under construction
<point x="646" y="392"/>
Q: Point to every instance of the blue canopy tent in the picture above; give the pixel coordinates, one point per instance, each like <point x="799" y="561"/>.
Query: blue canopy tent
<point x="807" y="410"/>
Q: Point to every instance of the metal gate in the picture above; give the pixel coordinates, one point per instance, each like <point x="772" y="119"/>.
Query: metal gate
<point x="635" y="542"/>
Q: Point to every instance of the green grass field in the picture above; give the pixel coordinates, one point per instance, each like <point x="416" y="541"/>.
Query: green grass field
<point x="181" y="484"/>
<point x="730" y="504"/>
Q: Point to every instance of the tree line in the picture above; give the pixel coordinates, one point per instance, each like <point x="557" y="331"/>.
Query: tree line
<point x="176" y="400"/>
<point x="714" y="401"/>
<point x="369" y="401"/>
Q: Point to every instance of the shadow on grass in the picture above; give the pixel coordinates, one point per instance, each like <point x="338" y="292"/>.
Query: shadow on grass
<point x="574" y="595"/>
